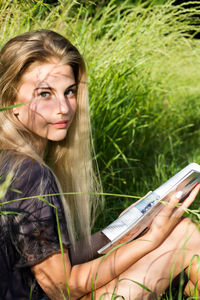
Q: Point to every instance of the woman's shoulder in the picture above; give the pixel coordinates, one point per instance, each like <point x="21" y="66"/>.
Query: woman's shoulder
<point x="25" y="171"/>
<point x="21" y="163"/>
<point x="31" y="181"/>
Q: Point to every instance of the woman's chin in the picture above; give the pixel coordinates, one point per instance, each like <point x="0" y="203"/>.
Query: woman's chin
<point x="57" y="139"/>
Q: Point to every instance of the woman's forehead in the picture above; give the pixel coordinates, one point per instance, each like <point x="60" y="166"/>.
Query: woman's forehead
<point x="47" y="72"/>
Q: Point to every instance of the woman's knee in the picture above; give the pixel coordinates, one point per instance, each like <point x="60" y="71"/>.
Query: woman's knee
<point x="185" y="235"/>
<point x="186" y="230"/>
<point x="184" y="224"/>
<point x="191" y="290"/>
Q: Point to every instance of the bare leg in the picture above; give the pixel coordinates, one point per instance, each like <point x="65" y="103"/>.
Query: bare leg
<point x="191" y="290"/>
<point x="156" y="268"/>
<point x="193" y="272"/>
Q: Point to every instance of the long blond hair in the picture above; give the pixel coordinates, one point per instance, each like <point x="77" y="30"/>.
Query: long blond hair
<point x="70" y="159"/>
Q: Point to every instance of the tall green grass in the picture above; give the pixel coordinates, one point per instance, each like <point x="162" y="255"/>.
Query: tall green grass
<point x="143" y="76"/>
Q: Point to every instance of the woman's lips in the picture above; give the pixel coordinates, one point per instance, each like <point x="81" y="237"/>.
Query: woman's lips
<point x="60" y="124"/>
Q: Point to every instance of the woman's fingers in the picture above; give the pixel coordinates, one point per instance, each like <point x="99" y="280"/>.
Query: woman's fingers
<point x="188" y="201"/>
<point x="176" y="210"/>
<point x="172" y="206"/>
<point x="170" y="215"/>
<point x="179" y="211"/>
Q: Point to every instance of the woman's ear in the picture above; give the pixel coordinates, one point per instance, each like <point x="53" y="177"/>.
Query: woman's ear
<point x="15" y="111"/>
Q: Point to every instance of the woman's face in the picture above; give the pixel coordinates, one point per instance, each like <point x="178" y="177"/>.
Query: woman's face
<point x="50" y="92"/>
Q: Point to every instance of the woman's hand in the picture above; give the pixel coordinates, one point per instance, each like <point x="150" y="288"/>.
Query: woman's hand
<point x="169" y="216"/>
<point x="127" y="237"/>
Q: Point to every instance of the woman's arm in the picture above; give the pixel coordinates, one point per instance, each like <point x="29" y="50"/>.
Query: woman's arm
<point x="98" y="240"/>
<point x="50" y="272"/>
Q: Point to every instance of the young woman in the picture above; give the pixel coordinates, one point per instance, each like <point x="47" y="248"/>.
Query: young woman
<point x="46" y="150"/>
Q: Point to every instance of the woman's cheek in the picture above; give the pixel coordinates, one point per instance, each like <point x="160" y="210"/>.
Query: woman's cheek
<point x="43" y="109"/>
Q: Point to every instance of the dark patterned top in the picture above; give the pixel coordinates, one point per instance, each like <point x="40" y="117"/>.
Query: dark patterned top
<point x="28" y="229"/>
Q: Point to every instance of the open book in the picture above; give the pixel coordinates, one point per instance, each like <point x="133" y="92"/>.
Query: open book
<point x="140" y="216"/>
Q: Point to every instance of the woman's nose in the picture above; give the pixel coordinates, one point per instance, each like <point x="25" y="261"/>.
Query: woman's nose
<point x="63" y="105"/>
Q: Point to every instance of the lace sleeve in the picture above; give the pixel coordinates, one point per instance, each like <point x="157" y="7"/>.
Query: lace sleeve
<point x="33" y="227"/>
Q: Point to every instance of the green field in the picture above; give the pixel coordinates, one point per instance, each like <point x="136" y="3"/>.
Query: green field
<point x="143" y="76"/>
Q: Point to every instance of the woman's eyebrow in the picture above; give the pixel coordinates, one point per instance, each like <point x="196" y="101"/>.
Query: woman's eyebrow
<point x="71" y="86"/>
<point x="43" y="87"/>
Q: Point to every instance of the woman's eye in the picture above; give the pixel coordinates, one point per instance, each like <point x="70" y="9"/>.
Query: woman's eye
<point x="44" y="94"/>
<point x="71" y="92"/>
